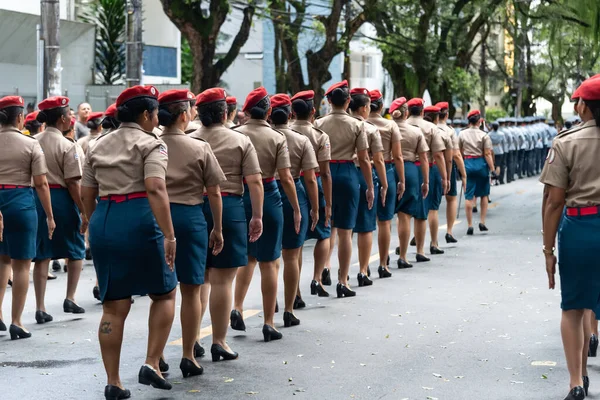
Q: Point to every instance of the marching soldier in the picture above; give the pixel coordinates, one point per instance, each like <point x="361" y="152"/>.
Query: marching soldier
<point x="497" y="139"/>
<point x="94" y="123"/>
<point x="231" y="111"/>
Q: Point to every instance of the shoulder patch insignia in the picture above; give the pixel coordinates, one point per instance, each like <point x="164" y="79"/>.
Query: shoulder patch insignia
<point x="550" y="157"/>
<point x="163" y="150"/>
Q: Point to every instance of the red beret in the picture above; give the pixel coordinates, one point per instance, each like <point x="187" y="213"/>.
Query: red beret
<point x="231" y="100"/>
<point x="305" y="95"/>
<point x="363" y="91"/>
<point x="443" y="105"/>
<point x="416" y="102"/>
<point x="396" y="104"/>
<point x="254" y="98"/>
<point x="32" y="116"/>
<point x="432" y="109"/>
<point x="73" y="120"/>
<point x="375" y="95"/>
<point x="211" y="96"/>
<point x="53" y="102"/>
<point x="94" y="115"/>
<point x="588" y="90"/>
<point x="473" y="113"/>
<point x="135" y="92"/>
<point x="280" y="100"/>
<point x="342" y="84"/>
<point x="11" y="101"/>
<point x="175" y="96"/>
<point x="111" y="111"/>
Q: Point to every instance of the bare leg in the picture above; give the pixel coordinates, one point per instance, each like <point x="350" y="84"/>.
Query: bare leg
<point x="365" y="244"/>
<point x="451" y="211"/>
<point x="344" y="254"/>
<point x="291" y="276"/>
<point x="73" y="273"/>
<point x="204" y="295"/>
<point x="160" y="320"/>
<point x="221" y="280"/>
<point x="332" y="240"/>
<point x="40" y="278"/>
<point x="420" y="231"/>
<point x="242" y="283"/>
<point x="268" y="272"/>
<point x="594" y="323"/>
<point x="191" y="310"/>
<point x="110" y="336"/>
<point x="587" y="332"/>
<point x="571" y="328"/>
<point x="20" y="286"/>
<point x="403" y="233"/>
<point x="384" y="237"/>
<point x="299" y="271"/>
<point x="322" y="255"/>
<point x="434" y="224"/>
<point x="4" y="276"/>
<point x="469" y="211"/>
<point x="484" y="208"/>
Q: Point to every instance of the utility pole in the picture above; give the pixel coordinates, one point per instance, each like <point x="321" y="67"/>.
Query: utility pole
<point x="50" y="16"/>
<point x="519" y="46"/>
<point x="347" y="63"/>
<point x="134" y="45"/>
<point x="483" y="73"/>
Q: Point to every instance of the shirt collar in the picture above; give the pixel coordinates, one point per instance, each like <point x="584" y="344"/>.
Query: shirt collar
<point x="54" y="130"/>
<point x="260" y="122"/>
<point x="172" y="131"/>
<point x="334" y="111"/>
<point x="303" y="122"/>
<point x="281" y="126"/>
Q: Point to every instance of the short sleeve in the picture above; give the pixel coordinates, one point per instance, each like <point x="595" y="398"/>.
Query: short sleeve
<point x="461" y="142"/>
<point x="375" y="141"/>
<point x="38" y="160"/>
<point x="422" y="144"/>
<point x="396" y="135"/>
<point x="309" y="159"/>
<point x="213" y="174"/>
<point x="361" y="137"/>
<point x="283" y="154"/>
<point x="324" y="148"/>
<point x="250" y="164"/>
<point x="72" y="163"/>
<point x="487" y="142"/>
<point x="556" y="169"/>
<point x="156" y="161"/>
<point x="437" y="142"/>
<point x="89" y="175"/>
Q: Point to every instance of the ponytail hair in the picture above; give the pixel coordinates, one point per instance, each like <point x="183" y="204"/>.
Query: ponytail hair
<point x="474" y="119"/>
<point x="212" y="113"/>
<point x="9" y="115"/>
<point x="94" y="124"/>
<point x="52" y="115"/>
<point x="303" y="108"/>
<point x="110" y="123"/>
<point x="358" y="101"/>
<point x="260" y="110"/>
<point x="400" y="112"/>
<point x="594" y="106"/>
<point x="280" y="115"/>
<point x="168" y="113"/>
<point x="376" y="105"/>
<point x="339" y="96"/>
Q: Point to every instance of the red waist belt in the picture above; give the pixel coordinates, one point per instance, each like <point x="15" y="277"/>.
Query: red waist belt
<point x="418" y="163"/>
<point x="120" y="198"/>
<point x="389" y="162"/>
<point x="469" y="157"/>
<point x="582" y="211"/>
<point x="13" y="187"/>
<point x="342" y="161"/>
<point x="431" y="164"/>
<point x="55" y="187"/>
<point x="224" y="194"/>
<point x="316" y="174"/>
<point x="266" y="180"/>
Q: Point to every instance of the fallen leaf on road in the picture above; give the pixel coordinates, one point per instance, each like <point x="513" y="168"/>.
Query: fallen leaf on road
<point x="426" y="388"/>
<point x="437" y="375"/>
<point x="194" y="391"/>
<point x="544" y="377"/>
<point x="250" y="393"/>
<point x="458" y="377"/>
<point x="227" y="380"/>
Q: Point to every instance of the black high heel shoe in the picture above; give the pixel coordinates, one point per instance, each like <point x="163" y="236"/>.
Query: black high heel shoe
<point x="450" y="238"/>
<point x="435" y="250"/>
<point x="270" y="333"/>
<point x="413" y="241"/>
<point x="368" y="271"/>
<point x="383" y="273"/>
<point x="2" y="326"/>
<point x="470" y="231"/>
<point x="41" y="317"/>
<point x="326" y="277"/>
<point x="316" y="288"/>
<point x="290" y="319"/>
<point x="237" y="321"/>
<point x="276" y="306"/>
<point x="422" y="258"/>
<point x="198" y="350"/>
<point x="70" y="307"/>
<point x="96" y="293"/>
<point x="593" y="346"/>
<point x="188" y="368"/>
<point x="586" y="384"/>
<point x="162" y="365"/>
<point x="10" y="282"/>
<point x="148" y="376"/>
<point x="55" y="266"/>
<point x="88" y="254"/>
<point x="363" y="280"/>
<point x="217" y="351"/>
<point x="482" y="227"/>
<point x="18" y="333"/>
<point x="402" y="264"/>
<point x="344" y="291"/>
<point x="298" y="303"/>
<point x="112" y="392"/>
<point x="577" y="393"/>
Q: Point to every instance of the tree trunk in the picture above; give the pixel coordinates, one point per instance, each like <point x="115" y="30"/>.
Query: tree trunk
<point x="50" y="12"/>
<point x="557" y="110"/>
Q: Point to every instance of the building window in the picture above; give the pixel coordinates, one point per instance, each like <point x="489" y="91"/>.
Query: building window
<point x="160" y="61"/>
<point x="367" y="67"/>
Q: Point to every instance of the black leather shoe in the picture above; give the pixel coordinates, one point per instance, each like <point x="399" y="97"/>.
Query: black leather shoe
<point x="470" y="231"/>
<point x="403" y="264"/>
<point x="482" y="227"/>
<point x="435" y="250"/>
<point x="10" y="282"/>
<point x="290" y="319"/>
<point x="422" y="258"/>
<point x="237" y="321"/>
<point x="397" y="251"/>
<point x="51" y="277"/>
<point x="316" y="288"/>
<point x="593" y="346"/>
<point x="270" y="333"/>
<point x="41" y="317"/>
<point x="65" y="267"/>
<point x="387" y="262"/>
<point x="586" y="384"/>
<point x="383" y="273"/>
<point x="18" y="333"/>
<point x="55" y="266"/>
<point x="149" y="376"/>
<point x="363" y="280"/>
<point x="217" y="351"/>
<point x="2" y="326"/>
<point x="475" y="209"/>
<point x="116" y="393"/>
<point x="276" y="306"/>
<point x="71" y="307"/>
<point x="413" y="242"/>
<point x="299" y="303"/>
<point x="88" y="254"/>
<point x="188" y="368"/>
<point x="577" y="393"/>
<point x="368" y="271"/>
<point x="198" y="350"/>
<point x="326" y="277"/>
<point x="162" y="365"/>
<point x="450" y="238"/>
<point x="344" y="291"/>
<point x="96" y="293"/>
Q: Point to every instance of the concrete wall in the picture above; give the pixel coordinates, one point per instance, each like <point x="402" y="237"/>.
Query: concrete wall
<point x="67" y="7"/>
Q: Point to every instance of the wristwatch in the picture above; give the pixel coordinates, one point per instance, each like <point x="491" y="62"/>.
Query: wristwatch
<point x="548" y="251"/>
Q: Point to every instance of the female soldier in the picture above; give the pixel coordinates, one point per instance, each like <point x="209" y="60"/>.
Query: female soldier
<point x="64" y="174"/>
<point x="416" y="175"/>
<point x="127" y="168"/>
<point x="32" y="126"/>
<point x="192" y="167"/>
<point x="22" y="159"/>
<point x="392" y="153"/>
<point x="348" y="137"/>
<point x="273" y="157"/>
<point x="302" y="157"/>
<point x="237" y="157"/>
<point x="570" y="175"/>
<point x="94" y="122"/>
<point x="231" y="111"/>
<point x="476" y="148"/>
<point x="304" y="110"/>
<point x="366" y="221"/>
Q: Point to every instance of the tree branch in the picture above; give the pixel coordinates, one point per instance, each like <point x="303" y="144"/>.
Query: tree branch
<point x="238" y="42"/>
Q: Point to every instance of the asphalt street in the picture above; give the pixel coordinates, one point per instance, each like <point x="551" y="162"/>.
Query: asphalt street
<point x="475" y="323"/>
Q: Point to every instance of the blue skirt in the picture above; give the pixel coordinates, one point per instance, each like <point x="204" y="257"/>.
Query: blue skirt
<point x="478" y="178"/>
<point x="321" y="231"/>
<point x="235" y="233"/>
<point x="453" y="184"/>
<point x="128" y="250"/>
<point x="386" y="213"/>
<point x="192" y="243"/>
<point x="345" y="195"/>
<point x="578" y="264"/>
<point x="366" y="220"/>
<point x="66" y="241"/>
<point x="412" y="202"/>
<point x="434" y="198"/>
<point x="291" y="239"/>
<point x="268" y="247"/>
<point x="20" y="223"/>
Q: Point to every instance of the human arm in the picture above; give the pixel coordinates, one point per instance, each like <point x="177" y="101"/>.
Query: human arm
<point x="448" y="158"/>
<point x="89" y="196"/>
<point x="379" y="164"/>
<point x="74" y="188"/>
<point x="289" y="187"/>
<point x="425" y="172"/>
<point x="257" y="195"/>
<point x="438" y="156"/>
<point x="43" y="191"/>
<point x="215" y="241"/>
<point x="325" y="174"/>
<point x="554" y="206"/>
<point x="365" y="167"/>
<point x="399" y="164"/>
<point x="310" y="181"/>
<point x="489" y="158"/>
<point x="159" y="203"/>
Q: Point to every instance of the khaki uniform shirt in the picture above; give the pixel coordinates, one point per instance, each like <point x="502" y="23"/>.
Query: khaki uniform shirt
<point x="346" y="134"/>
<point x="451" y="134"/>
<point x="62" y="156"/>
<point x="234" y="152"/>
<point x="302" y="154"/>
<point x="572" y="164"/>
<point x="193" y="126"/>
<point x="390" y="134"/>
<point x="22" y="158"/>
<point x="318" y="139"/>
<point x="432" y="134"/>
<point x="473" y="142"/>
<point x="84" y="142"/>
<point x="229" y="124"/>
<point x="192" y="167"/>
<point x="120" y="162"/>
<point x="270" y="145"/>
<point x="413" y="141"/>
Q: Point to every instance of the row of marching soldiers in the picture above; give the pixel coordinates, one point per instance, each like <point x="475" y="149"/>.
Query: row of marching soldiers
<point x="195" y="200"/>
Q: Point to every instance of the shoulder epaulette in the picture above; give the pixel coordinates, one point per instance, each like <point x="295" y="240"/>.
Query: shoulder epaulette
<point x="320" y="130"/>
<point x="197" y="138"/>
<point x="235" y="126"/>
<point x="278" y="131"/>
<point x="70" y="140"/>
<point x="573" y="130"/>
